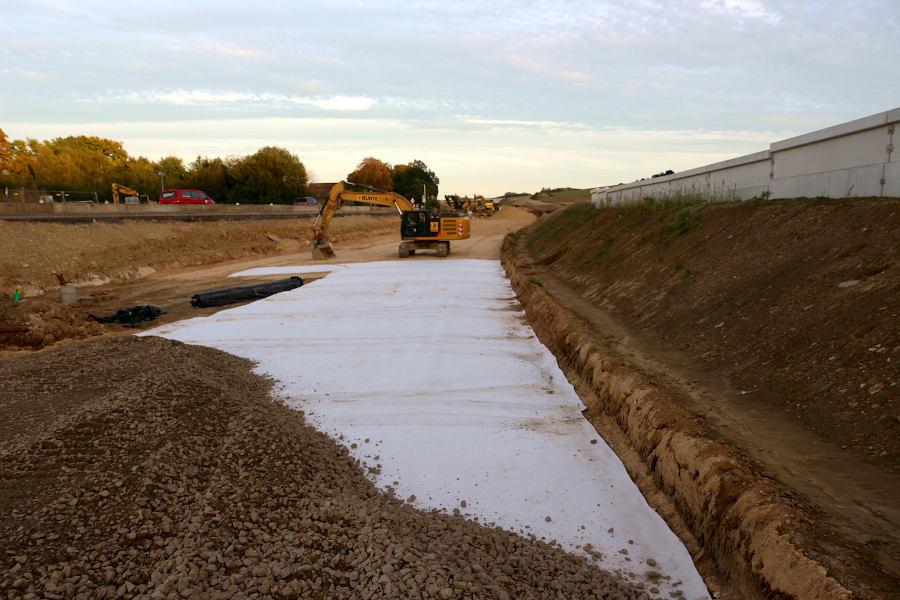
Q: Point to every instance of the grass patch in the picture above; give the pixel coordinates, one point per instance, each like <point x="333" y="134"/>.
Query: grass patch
<point x="597" y="255"/>
<point x="681" y="223"/>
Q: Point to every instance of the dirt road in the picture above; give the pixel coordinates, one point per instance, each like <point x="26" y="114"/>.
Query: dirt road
<point x="113" y="250"/>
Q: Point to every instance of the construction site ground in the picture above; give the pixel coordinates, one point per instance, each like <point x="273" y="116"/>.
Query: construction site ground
<point x="146" y="468"/>
<point x="164" y="264"/>
<point x="730" y="311"/>
<point x="207" y="488"/>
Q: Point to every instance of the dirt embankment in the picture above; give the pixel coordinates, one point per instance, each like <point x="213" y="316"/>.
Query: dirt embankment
<point x="30" y="253"/>
<point x="796" y="303"/>
<point x="734" y="348"/>
<point x="206" y="488"/>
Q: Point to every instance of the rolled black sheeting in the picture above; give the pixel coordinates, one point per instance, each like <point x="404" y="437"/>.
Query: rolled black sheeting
<point x="244" y="293"/>
<point x="131" y="317"/>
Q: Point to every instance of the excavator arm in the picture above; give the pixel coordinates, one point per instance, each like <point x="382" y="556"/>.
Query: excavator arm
<point x="340" y="193"/>
<point x="121" y="189"/>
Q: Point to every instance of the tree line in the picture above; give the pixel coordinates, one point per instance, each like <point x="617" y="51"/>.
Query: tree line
<point x="93" y="164"/>
<point x="270" y="175"/>
<point x="413" y="180"/>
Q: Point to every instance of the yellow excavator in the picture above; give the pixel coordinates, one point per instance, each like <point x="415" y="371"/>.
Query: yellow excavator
<point x="128" y="192"/>
<point x="456" y="202"/>
<point x="420" y="229"/>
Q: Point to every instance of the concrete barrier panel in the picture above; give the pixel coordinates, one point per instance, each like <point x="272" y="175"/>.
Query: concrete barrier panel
<point x="852" y="159"/>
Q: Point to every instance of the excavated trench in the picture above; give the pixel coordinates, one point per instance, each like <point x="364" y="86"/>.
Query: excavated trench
<point x="737" y="523"/>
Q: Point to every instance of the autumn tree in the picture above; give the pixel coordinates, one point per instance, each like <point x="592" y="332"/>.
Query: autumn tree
<point x="92" y="164"/>
<point x="272" y="174"/>
<point x="373" y="172"/>
<point x="174" y="170"/>
<point x="141" y="174"/>
<point x="210" y="175"/>
<point x="4" y="151"/>
<point x="410" y="180"/>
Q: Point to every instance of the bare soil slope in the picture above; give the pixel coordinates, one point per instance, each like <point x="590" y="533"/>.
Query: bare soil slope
<point x="30" y="253"/>
<point x="777" y="323"/>
<point x="186" y="480"/>
<point x="797" y="303"/>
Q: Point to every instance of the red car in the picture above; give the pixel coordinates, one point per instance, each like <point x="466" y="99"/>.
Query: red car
<point x="185" y="197"/>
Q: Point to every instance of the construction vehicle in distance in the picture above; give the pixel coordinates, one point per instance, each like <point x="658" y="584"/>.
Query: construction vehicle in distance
<point x="456" y="202"/>
<point x="129" y="193"/>
<point x="486" y="206"/>
<point x="482" y="207"/>
<point x="420" y="229"/>
<point x="478" y="205"/>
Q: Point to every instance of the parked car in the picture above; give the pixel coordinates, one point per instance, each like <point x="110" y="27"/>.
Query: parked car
<point x="307" y="201"/>
<point x="185" y="197"/>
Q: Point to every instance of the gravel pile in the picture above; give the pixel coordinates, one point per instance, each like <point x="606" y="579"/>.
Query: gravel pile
<point x="142" y="467"/>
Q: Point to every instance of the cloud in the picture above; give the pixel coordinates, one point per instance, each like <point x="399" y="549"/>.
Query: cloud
<point x="742" y="9"/>
<point x="32" y="75"/>
<point x="239" y="51"/>
<point x="518" y="123"/>
<point x="218" y="98"/>
<point x="532" y="65"/>
<point x="526" y="64"/>
<point x="576" y="76"/>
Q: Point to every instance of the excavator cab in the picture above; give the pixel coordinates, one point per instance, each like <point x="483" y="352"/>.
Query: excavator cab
<point x="430" y="230"/>
<point x="419" y="223"/>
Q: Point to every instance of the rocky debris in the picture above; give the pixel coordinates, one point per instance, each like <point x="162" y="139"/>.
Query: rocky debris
<point x="142" y="467"/>
<point x="47" y="322"/>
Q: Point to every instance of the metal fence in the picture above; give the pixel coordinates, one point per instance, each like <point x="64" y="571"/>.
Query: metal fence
<point x="47" y="196"/>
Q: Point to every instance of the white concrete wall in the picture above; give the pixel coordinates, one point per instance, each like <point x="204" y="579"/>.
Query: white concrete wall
<point x="852" y="159"/>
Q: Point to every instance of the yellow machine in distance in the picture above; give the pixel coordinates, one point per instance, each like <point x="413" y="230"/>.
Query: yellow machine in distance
<point x="483" y="208"/>
<point x="477" y="205"/>
<point x="128" y="192"/>
<point x="420" y="229"/>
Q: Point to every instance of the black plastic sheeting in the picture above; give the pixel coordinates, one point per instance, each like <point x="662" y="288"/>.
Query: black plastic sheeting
<point x="242" y="294"/>
<point x="132" y="317"/>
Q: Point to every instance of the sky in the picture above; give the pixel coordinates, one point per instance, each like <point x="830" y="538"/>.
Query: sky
<point x="493" y="95"/>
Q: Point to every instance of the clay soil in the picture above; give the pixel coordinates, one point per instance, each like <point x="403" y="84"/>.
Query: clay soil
<point x="205" y="248"/>
<point x="142" y="467"/>
<point x="775" y="323"/>
<point x="31" y="253"/>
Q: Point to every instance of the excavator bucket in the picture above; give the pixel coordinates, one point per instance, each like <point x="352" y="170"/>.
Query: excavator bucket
<point x="322" y="251"/>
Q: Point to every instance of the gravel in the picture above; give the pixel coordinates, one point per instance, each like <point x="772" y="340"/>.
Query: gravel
<point x="147" y="468"/>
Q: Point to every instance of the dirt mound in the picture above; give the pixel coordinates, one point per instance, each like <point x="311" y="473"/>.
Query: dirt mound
<point x="30" y="253"/>
<point x="47" y="322"/>
<point x="142" y="467"/>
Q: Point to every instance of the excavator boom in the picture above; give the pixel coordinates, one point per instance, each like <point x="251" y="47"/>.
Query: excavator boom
<point x="121" y="189"/>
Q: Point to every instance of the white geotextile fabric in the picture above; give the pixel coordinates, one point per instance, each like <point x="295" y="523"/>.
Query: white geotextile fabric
<point x="433" y="363"/>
